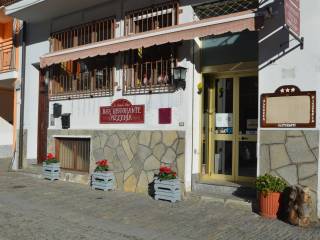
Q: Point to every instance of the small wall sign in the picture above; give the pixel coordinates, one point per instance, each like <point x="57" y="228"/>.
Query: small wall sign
<point x="122" y="111"/>
<point x="288" y="107"/>
<point x="165" y="115"/>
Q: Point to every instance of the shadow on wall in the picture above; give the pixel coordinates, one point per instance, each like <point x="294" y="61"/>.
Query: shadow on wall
<point x="273" y="38"/>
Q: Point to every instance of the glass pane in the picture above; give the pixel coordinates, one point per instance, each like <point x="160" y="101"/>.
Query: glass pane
<point x="223" y="157"/>
<point x="223" y="106"/>
<point x="248" y="115"/>
<point x="247" y="159"/>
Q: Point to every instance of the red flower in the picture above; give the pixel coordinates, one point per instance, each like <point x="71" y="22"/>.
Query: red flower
<point x="166" y="170"/>
<point x="50" y="156"/>
<point x="102" y="163"/>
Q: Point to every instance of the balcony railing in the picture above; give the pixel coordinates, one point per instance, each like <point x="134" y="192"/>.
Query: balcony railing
<point x="8" y="2"/>
<point x="7" y="56"/>
<point x="149" y="77"/>
<point x="224" y="7"/>
<point x="155" y="17"/>
<point x="81" y="85"/>
<point x="83" y="34"/>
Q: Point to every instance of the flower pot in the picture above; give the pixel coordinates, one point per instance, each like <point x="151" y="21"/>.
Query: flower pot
<point x="269" y="204"/>
<point x="102" y="181"/>
<point x="51" y="171"/>
<point x="168" y="190"/>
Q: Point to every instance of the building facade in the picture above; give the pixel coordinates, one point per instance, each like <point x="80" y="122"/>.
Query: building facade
<point x="9" y="83"/>
<point x="100" y="84"/>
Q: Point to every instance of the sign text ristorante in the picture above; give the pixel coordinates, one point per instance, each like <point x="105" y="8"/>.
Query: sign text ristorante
<point x="122" y="111"/>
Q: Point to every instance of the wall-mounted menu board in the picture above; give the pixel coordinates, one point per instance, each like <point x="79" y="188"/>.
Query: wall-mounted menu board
<point x="288" y="107"/>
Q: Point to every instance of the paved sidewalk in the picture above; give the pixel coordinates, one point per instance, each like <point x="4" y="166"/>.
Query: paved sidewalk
<point x="35" y="209"/>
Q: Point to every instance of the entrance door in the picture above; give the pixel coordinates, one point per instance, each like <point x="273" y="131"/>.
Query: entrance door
<point x="230" y="127"/>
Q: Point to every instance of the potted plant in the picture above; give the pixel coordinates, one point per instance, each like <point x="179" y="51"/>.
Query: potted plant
<point x="167" y="186"/>
<point x="102" y="178"/>
<point x="51" y="168"/>
<point x="269" y="188"/>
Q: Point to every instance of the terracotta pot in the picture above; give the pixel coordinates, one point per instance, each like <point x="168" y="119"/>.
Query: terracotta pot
<point x="269" y="205"/>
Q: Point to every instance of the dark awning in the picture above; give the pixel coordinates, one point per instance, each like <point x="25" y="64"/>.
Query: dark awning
<point x="235" y="22"/>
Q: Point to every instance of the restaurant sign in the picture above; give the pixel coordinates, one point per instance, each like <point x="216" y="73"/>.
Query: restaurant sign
<point x="292" y="15"/>
<point x="122" y="111"/>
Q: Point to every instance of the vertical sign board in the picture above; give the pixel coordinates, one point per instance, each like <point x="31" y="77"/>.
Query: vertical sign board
<point x="292" y="15"/>
<point x="122" y="111"/>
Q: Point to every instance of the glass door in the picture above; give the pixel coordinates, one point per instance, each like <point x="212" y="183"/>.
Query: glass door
<point x="230" y="121"/>
<point x="223" y="128"/>
<point x="248" y="125"/>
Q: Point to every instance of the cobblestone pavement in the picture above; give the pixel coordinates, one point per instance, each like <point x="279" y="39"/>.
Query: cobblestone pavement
<point x="32" y="208"/>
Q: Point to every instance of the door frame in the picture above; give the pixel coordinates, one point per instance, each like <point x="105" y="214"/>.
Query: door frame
<point x="235" y="142"/>
<point x="43" y="117"/>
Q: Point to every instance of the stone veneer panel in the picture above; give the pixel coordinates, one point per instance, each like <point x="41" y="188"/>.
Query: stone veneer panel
<point x="292" y="155"/>
<point x="134" y="156"/>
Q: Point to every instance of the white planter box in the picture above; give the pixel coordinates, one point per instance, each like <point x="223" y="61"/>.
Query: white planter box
<point x="168" y="190"/>
<point x="51" y="171"/>
<point x="102" y="181"/>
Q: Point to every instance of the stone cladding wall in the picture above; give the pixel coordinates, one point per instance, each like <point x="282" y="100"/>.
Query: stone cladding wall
<point x="134" y="156"/>
<point x="292" y="155"/>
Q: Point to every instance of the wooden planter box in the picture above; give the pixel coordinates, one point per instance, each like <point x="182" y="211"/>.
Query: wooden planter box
<point x="103" y="181"/>
<point x="51" y="171"/>
<point x="168" y="190"/>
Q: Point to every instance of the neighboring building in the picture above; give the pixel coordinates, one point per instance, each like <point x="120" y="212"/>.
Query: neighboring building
<point x="108" y="66"/>
<point x="9" y="82"/>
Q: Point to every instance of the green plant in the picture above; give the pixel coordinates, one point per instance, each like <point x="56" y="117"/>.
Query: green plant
<point x="267" y="184"/>
<point x="102" y="165"/>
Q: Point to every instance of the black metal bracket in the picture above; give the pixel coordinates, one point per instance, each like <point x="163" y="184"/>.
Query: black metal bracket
<point x="297" y="38"/>
<point x="300" y="45"/>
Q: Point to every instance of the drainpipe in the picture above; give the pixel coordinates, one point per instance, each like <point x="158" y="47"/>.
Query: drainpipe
<point x="23" y="75"/>
<point x="192" y="119"/>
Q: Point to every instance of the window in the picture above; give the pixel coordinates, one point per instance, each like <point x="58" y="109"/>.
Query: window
<point x="83" y="34"/>
<point x="155" y="17"/>
<point x="149" y="70"/>
<point x="73" y="153"/>
<point x="84" y="78"/>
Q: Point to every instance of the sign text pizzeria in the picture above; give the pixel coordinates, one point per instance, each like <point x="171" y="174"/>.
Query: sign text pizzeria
<point x="122" y="111"/>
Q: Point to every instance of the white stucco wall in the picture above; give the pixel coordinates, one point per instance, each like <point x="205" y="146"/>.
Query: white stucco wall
<point x="37" y="45"/>
<point x="300" y="67"/>
<point x="6" y="132"/>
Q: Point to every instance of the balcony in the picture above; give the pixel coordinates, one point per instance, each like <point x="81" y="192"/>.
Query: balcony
<point x="8" y="2"/>
<point x="149" y="77"/>
<point x="82" y="79"/>
<point x="7" y="56"/>
<point x="151" y="18"/>
<point x="41" y="10"/>
<point x="83" y="34"/>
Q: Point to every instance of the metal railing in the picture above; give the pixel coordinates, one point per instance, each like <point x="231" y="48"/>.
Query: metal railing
<point x="8" y="2"/>
<point x="83" y="34"/>
<point x="148" y="77"/>
<point x="7" y="56"/>
<point x="63" y="85"/>
<point x="224" y="7"/>
<point x="151" y="18"/>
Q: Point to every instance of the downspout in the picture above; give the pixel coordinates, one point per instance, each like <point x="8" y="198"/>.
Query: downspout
<point x="192" y="121"/>
<point x="23" y="74"/>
